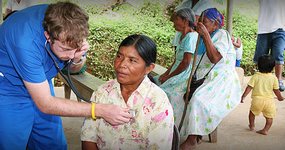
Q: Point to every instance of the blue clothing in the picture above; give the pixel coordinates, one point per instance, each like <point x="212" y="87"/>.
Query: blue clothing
<point x="271" y="43"/>
<point x="24" y="57"/>
<point x="238" y="63"/>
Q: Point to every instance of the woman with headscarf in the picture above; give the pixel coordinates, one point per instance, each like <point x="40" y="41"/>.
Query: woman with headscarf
<point x="221" y="91"/>
<point x="174" y="80"/>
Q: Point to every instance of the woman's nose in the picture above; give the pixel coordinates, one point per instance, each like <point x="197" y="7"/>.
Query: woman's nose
<point x="123" y="63"/>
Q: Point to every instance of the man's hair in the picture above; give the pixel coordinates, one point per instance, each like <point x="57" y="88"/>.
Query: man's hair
<point x="66" y="22"/>
<point x="265" y="63"/>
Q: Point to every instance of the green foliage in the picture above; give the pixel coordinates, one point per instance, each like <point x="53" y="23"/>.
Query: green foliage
<point x="106" y="33"/>
<point x="109" y="29"/>
<point x="246" y="28"/>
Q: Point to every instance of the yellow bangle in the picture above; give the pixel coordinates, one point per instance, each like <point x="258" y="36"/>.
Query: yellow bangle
<point x="93" y="110"/>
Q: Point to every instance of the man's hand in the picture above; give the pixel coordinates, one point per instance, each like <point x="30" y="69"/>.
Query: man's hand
<point x="81" y="51"/>
<point x="113" y="114"/>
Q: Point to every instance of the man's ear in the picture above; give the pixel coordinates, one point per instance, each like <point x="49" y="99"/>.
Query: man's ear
<point x="47" y="36"/>
<point x="150" y="68"/>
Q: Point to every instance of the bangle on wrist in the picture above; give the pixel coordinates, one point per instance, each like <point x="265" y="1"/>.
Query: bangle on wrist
<point x="93" y="116"/>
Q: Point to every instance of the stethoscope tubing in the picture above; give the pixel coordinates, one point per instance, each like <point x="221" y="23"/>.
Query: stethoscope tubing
<point x="68" y="78"/>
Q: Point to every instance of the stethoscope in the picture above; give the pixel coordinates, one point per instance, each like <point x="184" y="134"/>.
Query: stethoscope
<point x="68" y="78"/>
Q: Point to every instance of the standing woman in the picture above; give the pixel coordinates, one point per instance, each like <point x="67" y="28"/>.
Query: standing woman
<point x="221" y="90"/>
<point x="174" y="80"/>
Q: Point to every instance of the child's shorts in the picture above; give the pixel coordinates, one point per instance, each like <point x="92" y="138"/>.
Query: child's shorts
<point x="266" y="106"/>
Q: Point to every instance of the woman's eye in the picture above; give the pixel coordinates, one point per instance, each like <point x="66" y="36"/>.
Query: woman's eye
<point x="133" y="61"/>
<point x="118" y="56"/>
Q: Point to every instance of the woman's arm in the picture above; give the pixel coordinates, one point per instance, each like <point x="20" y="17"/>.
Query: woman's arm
<point x="211" y="51"/>
<point x="86" y="145"/>
<point x="182" y="66"/>
<point x="163" y="77"/>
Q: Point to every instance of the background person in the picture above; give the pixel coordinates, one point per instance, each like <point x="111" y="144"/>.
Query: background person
<point x="271" y="34"/>
<point x="152" y="124"/>
<point x="198" y="6"/>
<point x="174" y="80"/>
<point x="238" y="48"/>
<point x="220" y="93"/>
<point x="29" y="111"/>
<point x="263" y="84"/>
<point x="15" y="5"/>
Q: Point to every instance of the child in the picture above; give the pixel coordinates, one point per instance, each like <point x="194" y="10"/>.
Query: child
<point x="263" y="84"/>
<point x="238" y="47"/>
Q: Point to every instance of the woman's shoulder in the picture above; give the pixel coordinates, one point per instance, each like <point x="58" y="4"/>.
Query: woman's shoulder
<point x="192" y="34"/>
<point x="109" y="85"/>
<point x="221" y="32"/>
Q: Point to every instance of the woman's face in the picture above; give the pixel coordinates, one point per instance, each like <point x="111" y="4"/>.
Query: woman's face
<point x="210" y="25"/>
<point x="130" y="68"/>
<point x="178" y="23"/>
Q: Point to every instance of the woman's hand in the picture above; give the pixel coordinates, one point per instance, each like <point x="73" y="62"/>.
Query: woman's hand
<point x="201" y="29"/>
<point x="113" y="114"/>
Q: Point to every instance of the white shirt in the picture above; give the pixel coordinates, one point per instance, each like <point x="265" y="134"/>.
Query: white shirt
<point x="271" y="15"/>
<point x="14" y="5"/>
<point x="199" y="7"/>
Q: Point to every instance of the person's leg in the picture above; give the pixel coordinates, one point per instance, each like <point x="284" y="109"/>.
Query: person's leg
<point x="190" y="143"/>
<point x="262" y="46"/>
<point x="16" y="125"/>
<point x="278" y="46"/>
<point x="47" y="133"/>
<point x="267" y="126"/>
<point x="251" y="119"/>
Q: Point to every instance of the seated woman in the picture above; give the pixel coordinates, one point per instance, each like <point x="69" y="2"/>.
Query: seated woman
<point x="221" y="91"/>
<point x="174" y="80"/>
<point x="152" y="124"/>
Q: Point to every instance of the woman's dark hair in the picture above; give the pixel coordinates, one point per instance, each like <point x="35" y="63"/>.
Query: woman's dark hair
<point x="144" y="45"/>
<point x="265" y="64"/>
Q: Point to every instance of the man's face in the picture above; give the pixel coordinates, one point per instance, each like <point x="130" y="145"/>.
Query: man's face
<point x="62" y="51"/>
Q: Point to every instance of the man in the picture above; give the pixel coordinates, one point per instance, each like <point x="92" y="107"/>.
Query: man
<point x="271" y="34"/>
<point x="32" y="41"/>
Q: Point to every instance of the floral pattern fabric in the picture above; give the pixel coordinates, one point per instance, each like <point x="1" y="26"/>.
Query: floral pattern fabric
<point x="176" y="86"/>
<point x="218" y="95"/>
<point x="151" y="128"/>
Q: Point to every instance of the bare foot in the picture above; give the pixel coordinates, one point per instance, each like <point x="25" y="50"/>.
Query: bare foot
<point x="262" y="132"/>
<point x="187" y="146"/>
<point x="251" y="127"/>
